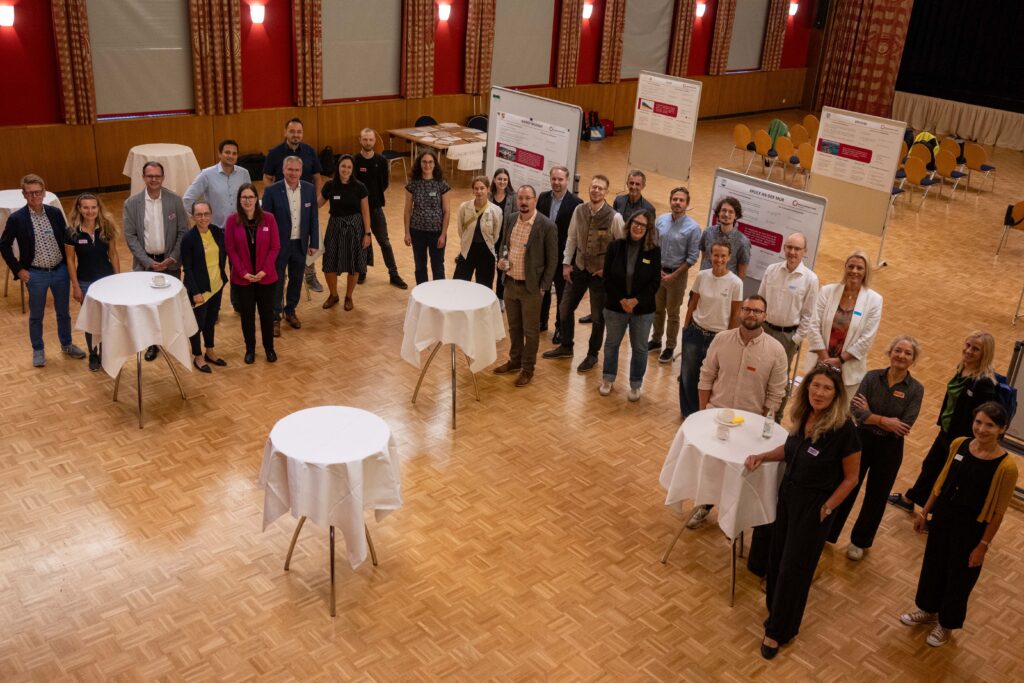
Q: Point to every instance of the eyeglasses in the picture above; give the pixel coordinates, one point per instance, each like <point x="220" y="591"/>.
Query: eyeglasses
<point x="752" y="311"/>
<point x="638" y="224"/>
<point x="247" y="198"/>
<point x="33" y="193"/>
<point x="202" y="214"/>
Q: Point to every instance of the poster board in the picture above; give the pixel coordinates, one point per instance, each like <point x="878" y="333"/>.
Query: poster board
<point x="664" y="124"/>
<point x="771" y="213"/>
<point x="854" y="166"/>
<point x="527" y="135"/>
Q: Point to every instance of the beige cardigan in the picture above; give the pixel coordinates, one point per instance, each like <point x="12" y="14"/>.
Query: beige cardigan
<point x="1000" y="491"/>
<point x="490" y="226"/>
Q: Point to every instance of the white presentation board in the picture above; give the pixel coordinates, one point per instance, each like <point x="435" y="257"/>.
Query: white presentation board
<point x="664" y="124"/>
<point x="527" y="135"/>
<point x="855" y="161"/>
<point x="771" y="213"/>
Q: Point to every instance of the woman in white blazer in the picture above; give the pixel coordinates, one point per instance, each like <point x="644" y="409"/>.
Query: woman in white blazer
<point x="845" y="322"/>
<point x="479" y="222"/>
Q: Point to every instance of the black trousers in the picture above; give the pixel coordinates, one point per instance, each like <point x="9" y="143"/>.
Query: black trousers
<point x="291" y="265"/>
<point x="499" y="288"/>
<point x="798" y="539"/>
<point x="931" y="466"/>
<point x="545" y="304"/>
<point x="424" y="242"/>
<point x="946" y="581"/>
<point x="479" y="260"/>
<point x="880" y="459"/>
<point x="760" y="549"/>
<point x="581" y="282"/>
<point x="250" y="298"/>
<point x="206" y="318"/>
<point x="379" y="228"/>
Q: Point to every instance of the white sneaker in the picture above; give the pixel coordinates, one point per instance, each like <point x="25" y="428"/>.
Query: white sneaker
<point x="854" y="553"/>
<point x="634" y="395"/>
<point x="939" y="636"/>
<point x="918" y="617"/>
<point x="605" y="388"/>
<point x="699" y="517"/>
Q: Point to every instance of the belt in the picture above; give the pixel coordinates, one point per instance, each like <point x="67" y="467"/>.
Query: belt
<point x="155" y="257"/>
<point x="46" y="269"/>
<point x="787" y="330"/>
<point x="670" y="270"/>
<point x="522" y="282"/>
<point x="706" y="333"/>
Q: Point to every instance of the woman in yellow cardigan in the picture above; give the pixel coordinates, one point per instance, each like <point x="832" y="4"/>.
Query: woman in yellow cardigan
<point x="967" y="505"/>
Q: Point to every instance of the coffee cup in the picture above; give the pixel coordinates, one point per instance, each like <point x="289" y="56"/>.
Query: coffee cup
<point x="726" y="415"/>
<point x="160" y="280"/>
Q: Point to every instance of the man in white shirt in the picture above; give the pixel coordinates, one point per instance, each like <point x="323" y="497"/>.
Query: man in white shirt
<point x="791" y="289"/>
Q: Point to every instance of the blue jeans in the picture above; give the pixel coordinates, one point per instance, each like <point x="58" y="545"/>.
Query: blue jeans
<point x="695" y="348"/>
<point x="59" y="283"/>
<point x="615" y="329"/>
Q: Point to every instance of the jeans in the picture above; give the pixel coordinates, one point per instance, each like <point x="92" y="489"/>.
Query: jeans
<point x="639" y="331"/>
<point x="695" y="348"/>
<point x="206" y="319"/>
<point x="291" y="263"/>
<point x="379" y="228"/>
<point x="59" y="283"/>
<point x="580" y="282"/>
<point x="479" y="260"/>
<point x="424" y="242"/>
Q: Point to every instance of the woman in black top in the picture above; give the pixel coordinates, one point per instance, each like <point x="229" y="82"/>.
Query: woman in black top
<point x="91" y="254"/>
<point x="348" y="231"/>
<point x="632" y="275"/>
<point x="972" y="385"/>
<point x="202" y="262"/>
<point x="822" y="456"/>
<point x="886" y="406"/>
<point x="502" y="195"/>
<point x="968" y="503"/>
<point x="426" y="216"/>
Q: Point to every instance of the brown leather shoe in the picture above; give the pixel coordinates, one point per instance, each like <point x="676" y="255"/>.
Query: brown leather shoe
<point x="293" y="320"/>
<point x="277" y="328"/>
<point x="506" y="368"/>
<point x="332" y="300"/>
<point x="524" y="378"/>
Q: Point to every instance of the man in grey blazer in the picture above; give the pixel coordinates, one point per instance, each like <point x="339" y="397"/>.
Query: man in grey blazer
<point x="154" y="223"/>
<point x="529" y="258"/>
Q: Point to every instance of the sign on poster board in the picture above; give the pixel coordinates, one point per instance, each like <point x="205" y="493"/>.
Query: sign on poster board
<point x="528" y="148"/>
<point x="664" y="124"/>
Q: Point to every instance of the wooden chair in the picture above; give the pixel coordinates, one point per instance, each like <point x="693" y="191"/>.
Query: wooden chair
<point x="953" y="147"/>
<point x="945" y="167"/>
<point x="805" y="153"/>
<point x="919" y="177"/>
<point x="787" y="157"/>
<point x="1014" y="220"/>
<point x="390" y="155"/>
<point x="901" y="175"/>
<point x="922" y="152"/>
<point x="811" y="123"/>
<point x="798" y="134"/>
<point x="977" y="162"/>
<point x="742" y="140"/>
<point x="763" y="148"/>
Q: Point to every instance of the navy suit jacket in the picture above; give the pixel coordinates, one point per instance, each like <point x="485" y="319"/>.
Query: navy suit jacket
<point x="275" y="201"/>
<point x="564" y="217"/>
<point x="19" y="228"/>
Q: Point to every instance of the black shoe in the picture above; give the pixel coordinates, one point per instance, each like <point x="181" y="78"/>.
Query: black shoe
<point x="587" y="364"/>
<point x="220" y="362"/>
<point x="362" y="278"/>
<point x="653" y="345"/>
<point x="769" y="652"/>
<point x="250" y="357"/>
<point x="558" y="352"/>
<point x="396" y="281"/>
<point x="94" y="362"/>
<point x="201" y="368"/>
<point x="900" y="501"/>
<point x="271" y="356"/>
<point x="587" y="319"/>
<point x="556" y="338"/>
<point x="151" y="353"/>
<point x="667" y="355"/>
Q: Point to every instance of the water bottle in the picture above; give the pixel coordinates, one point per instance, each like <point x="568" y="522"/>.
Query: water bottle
<point x="769" y="424"/>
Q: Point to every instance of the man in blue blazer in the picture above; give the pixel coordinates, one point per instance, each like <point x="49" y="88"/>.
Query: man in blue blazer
<point x="40" y="232"/>
<point x="293" y="203"/>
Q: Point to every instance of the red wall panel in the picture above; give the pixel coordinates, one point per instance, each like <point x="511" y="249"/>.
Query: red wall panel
<point x="798" y="36"/>
<point x="700" y="41"/>
<point x="450" y="50"/>
<point x="590" y="45"/>
<point x="267" y="56"/>
<point x="29" y="76"/>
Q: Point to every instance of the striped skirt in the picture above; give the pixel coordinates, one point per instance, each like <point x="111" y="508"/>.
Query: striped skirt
<point x="343" y="245"/>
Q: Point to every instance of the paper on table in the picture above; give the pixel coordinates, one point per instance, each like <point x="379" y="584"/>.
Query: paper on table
<point x="428" y="138"/>
<point x="449" y="125"/>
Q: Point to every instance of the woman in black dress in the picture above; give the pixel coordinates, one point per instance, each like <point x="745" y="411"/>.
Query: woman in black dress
<point x="348" y="231"/>
<point x="822" y="456"/>
<point x="967" y="505"/>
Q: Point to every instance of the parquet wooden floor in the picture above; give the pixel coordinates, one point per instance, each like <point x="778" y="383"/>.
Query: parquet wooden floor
<point x="529" y="544"/>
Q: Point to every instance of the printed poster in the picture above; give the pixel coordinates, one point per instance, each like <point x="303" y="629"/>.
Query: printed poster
<point x="667" y="106"/>
<point x="853" y="149"/>
<point x="528" y="149"/>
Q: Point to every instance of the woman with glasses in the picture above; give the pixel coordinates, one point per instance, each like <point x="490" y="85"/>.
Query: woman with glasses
<point x="822" y="456"/>
<point x="426" y="216"/>
<point x="202" y="261"/>
<point x="252" y="243"/>
<point x="845" y="322"/>
<point x="632" y="275"/>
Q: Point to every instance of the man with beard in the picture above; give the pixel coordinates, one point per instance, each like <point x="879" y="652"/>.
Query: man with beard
<point x="372" y="170"/>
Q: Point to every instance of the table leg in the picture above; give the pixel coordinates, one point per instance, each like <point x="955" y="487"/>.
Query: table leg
<point x="174" y="372"/>
<point x="437" y="347"/>
<point x="732" y="593"/>
<point x="117" y="382"/>
<point x="668" y="550"/>
<point x="291" y="546"/>
<point x="741" y="545"/>
<point x="369" y="542"/>
<point x="332" y="572"/>
<point x="138" y="384"/>
<point x="476" y="388"/>
<point x="453" y="386"/>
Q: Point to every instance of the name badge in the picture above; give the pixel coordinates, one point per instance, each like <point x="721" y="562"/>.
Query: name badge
<point x="793" y="287"/>
<point x="432" y="194"/>
<point x="362" y="169"/>
<point x="336" y="197"/>
<point x="751" y="368"/>
<point x="83" y="241"/>
<point x="308" y="204"/>
<point x="970" y="392"/>
<point x="856" y="313"/>
<point x="266" y="229"/>
<point x="811" y="450"/>
<point x="898" y="394"/>
<point x="647" y="261"/>
<point x="958" y="456"/>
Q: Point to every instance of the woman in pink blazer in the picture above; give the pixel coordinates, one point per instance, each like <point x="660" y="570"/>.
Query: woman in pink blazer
<point x="252" y="242"/>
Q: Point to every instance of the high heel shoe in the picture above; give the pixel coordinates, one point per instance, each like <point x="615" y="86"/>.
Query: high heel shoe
<point x="201" y="368"/>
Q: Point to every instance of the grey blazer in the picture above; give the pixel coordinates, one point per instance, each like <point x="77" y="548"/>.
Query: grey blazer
<point x="541" y="251"/>
<point x="175" y="227"/>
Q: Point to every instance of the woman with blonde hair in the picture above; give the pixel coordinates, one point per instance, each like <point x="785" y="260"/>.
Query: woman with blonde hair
<point x="91" y="250"/>
<point x="973" y="383"/>
<point x="479" y="224"/>
<point x="845" y="321"/>
<point x="822" y="456"/>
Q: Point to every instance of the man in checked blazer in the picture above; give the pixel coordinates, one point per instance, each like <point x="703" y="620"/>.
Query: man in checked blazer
<point x="154" y="223"/>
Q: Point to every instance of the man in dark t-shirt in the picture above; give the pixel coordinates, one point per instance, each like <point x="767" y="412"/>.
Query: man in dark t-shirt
<point x="373" y="171"/>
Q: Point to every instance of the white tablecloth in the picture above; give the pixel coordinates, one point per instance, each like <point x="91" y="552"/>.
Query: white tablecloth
<point x="180" y="165"/>
<point x="128" y="315"/>
<point x="707" y="470"/>
<point x="453" y="312"/>
<point x="12" y="200"/>
<point x="329" y="464"/>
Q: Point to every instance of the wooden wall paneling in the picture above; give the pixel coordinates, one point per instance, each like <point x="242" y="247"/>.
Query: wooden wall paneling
<point x="710" y="96"/>
<point x="115" y="138"/>
<point x="257" y="130"/>
<point x="65" y="156"/>
<point x="742" y="92"/>
<point x="625" y="103"/>
<point x="340" y="123"/>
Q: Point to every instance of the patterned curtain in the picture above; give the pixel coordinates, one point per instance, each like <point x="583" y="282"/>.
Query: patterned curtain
<point x="774" y="35"/>
<point x="479" y="46"/>
<point x="725" y="15"/>
<point x="610" y="69"/>
<point x="216" y="55"/>
<point x="682" y="32"/>
<point x="74" y="52"/>
<point x="418" y="44"/>
<point x="863" y="48"/>
<point x="568" y="57"/>
<point x="309" y="65"/>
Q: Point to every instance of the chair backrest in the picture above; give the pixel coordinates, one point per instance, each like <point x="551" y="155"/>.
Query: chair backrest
<point x="951" y="146"/>
<point x="1017" y="213"/>
<point x="741" y="136"/>
<point x="919" y="151"/>
<point x="478" y="122"/>
<point x="945" y="163"/>
<point x="916" y="171"/>
<point x="904" y="152"/>
<point x="811" y="121"/>
<point x="975" y="155"/>
<point x="784" y="146"/>
<point x="425" y="121"/>
<point x="378" y="146"/>
<point x="798" y="134"/>
<point x="806" y="154"/>
<point x="762" y="141"/>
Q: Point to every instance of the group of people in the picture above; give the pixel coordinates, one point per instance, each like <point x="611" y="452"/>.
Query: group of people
<point x="738" y="350"/>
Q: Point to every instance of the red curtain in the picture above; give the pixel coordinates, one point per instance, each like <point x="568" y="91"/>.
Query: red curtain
<point x="216" y="55"/>
<point x="610" y="68"/>
<point x="774" y="35"/>
<point x="309" y="76"/>
<point x="74" y="54"/>
<point x="725" y="15"/>
<point x="479" y="46"/>
<point x="418" y="48"/>
<point x="568" y="56"/>
<point x="682" y="32"/>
